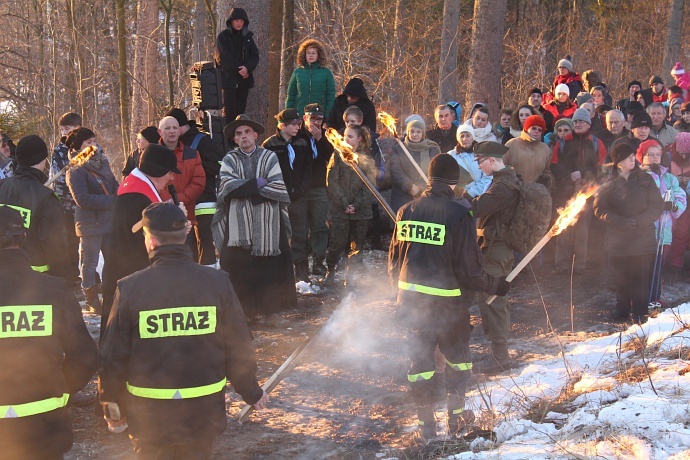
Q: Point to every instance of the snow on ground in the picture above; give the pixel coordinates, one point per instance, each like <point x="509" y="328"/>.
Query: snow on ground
<point x="624" y="395"/>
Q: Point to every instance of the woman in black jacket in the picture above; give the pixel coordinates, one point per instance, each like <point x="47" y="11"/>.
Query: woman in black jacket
<point x="630" y="203"/>
<point x="94" y="188"/>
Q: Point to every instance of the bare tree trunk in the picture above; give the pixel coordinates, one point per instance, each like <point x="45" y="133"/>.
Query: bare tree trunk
<point x="675" y="29"/>
<point x="145" y="61"/>
<point x="449" y="51"/>
<point x="287" y="50"/>
<point x="122" y="73"/>
<point x="486" y="54"/>
<point x="167" y="6"/>
<point x="199" y="47"/>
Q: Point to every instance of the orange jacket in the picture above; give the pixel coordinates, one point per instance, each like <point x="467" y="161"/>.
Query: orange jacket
<point x="190" y="184"/>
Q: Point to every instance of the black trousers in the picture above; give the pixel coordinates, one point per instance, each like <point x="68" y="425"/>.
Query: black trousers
<point x="198" y="450"/>
<point x="203" y="249"/>
<point x="72" y="247"/>
<point x="633" y="283"/>
<point x="235" y="100"/>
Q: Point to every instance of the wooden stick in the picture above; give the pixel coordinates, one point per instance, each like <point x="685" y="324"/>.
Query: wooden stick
<point x="58" y="175"/>
<point x="414" y="163"/>
<point x="371" y="188"/>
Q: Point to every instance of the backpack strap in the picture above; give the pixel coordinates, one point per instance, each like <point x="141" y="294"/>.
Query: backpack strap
<point x="195" y="142"/>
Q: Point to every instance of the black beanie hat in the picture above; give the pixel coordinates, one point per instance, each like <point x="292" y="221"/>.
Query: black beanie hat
<point x="655" y="79"/>
<point x="621" y="151"/>
<point x="640" y="119"/>
<point x="179" y="115"/>
<point x="444" y="168"/>
<point x="634" y="82"/>
<point x="633" y="107"/>
<point x="31" y="150"/>
<point x="355" y="88"/>
<point x="534" y="90"/>
<point x="77" y="136"/>
<point x="157" y="160"/>
<point x="150" y="133"/>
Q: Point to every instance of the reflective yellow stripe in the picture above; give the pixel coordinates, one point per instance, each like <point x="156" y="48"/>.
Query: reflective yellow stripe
<point x="204" y="211"/>
<point x="26" y="213"/>
<point x="40" y="268"/>
<point x="459" y="366"/>
<point x="33" y="408"/>
<point x="421" y="376"/>
<point x="26" y="321"/>
<point x="428" y="289"/>
<point x="421" y="232"/>
<point x="457" y="411"/>
<point x="177" y="321"/>
<point x="176" y="393"/>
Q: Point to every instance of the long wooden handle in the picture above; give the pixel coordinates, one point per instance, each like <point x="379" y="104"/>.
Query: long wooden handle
<point x="414" y="163"/>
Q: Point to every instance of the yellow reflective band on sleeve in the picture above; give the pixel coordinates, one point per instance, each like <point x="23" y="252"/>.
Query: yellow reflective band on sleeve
<point x="40" y="268"/>
<point x="428" y="289"/>
<point x="26" y="213"/>
<point x="26" y="321"/>
<point x="460" y="366"/>
<point x="34" y="408"/>
<point x="205" y="209"/>
<point x="421" y="376"/>
<point x="457" y="411"/>
<point x="420" y="232"/>
<point x="176" y="393"/>
<point x="176" y="322"/>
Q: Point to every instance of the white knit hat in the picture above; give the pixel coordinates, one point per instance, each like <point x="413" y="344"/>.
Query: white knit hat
<point x="464" y="129"/>
<point x="562" y="88"/>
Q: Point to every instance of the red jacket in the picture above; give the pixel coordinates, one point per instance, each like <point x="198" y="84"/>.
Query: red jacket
<point x="190" y="184"/>
<point x="552" y="107"/>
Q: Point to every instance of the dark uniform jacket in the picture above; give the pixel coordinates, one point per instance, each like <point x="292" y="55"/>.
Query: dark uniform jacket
<point x="46" y="240"/>
<point x="320" y="158"/>
<point x="45" y="352"/>
<point x="494" y="208"/>
<point x="578" y="153"/>
<point x="434" y="251"/>
<point x="186" y="333"/>
<point x="235" y="49"/>
<point x="618" y="200"/>
<point x="297" y="176"/>
<point x="346" y="188"/>
<point x="211" y="156"/>
<point x="354" y="87"/>
<point x="445" y="138"/>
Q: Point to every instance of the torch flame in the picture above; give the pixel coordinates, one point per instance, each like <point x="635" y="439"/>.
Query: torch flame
<point x="82" y="157"/>
<point x="567" y="215"/>
<point x="339" y="143"/>
<point x="389" y="122"/>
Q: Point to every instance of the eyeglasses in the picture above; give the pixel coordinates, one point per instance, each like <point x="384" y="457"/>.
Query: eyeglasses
<point x="482" y="160"/>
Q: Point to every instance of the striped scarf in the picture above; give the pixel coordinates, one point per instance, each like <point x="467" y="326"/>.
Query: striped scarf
<point x="249" y="225"/>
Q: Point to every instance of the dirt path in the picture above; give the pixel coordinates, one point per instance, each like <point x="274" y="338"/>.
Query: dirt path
<point x="348" y="398"/>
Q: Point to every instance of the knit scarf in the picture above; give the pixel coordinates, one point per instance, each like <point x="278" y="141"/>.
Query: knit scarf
<point x="483" y="134"/>
<point x="248" y="225"/>
<point x="424" y="149"/>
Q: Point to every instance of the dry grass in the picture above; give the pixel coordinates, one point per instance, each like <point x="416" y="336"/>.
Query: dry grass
<point x="634" y="374"/>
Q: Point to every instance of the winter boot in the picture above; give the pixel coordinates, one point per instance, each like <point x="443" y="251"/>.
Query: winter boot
<point x="302" y="271"/>
<point x="92" y="299"/>
<point x="330" y="276"/>
<point x="459" y="419"/>
<point x="499" y="361"/>
<point x="439" y="386"/>
<point x="426" y="422"/>
<point x="318" y="269"/>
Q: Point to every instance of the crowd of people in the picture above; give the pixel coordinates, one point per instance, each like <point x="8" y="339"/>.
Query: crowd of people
<point x="292" y="209"/>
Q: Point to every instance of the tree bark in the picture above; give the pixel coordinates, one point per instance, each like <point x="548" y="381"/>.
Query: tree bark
<point x="486" y="54"/>
<point x="167" y="6"/>
<point x="673" y="38"/>
<point x="145" y="62"/>
<point x="449" y="51"/>
<point x="287" y="50"/>
<point x="122" y="73"/>
<point x="200" y="49"/>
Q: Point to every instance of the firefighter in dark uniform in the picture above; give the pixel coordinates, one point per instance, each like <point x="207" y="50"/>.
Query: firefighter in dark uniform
<point x="167" y="351"/>
<point x="434" y="257"/>
<point x="46" y="242"/>
<point x="46" y="353"/>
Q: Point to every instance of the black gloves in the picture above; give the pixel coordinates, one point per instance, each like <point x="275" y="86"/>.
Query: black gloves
<point x="670" y="206"/>
<point x="631" y="223"/>
<point x="503" y="286"/>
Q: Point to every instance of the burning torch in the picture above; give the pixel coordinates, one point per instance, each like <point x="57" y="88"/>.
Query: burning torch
<point x="77" y="161"/>
<point x="389" y="122"/>
<point x="350" y="157"/>
<point x="567" y="216"/>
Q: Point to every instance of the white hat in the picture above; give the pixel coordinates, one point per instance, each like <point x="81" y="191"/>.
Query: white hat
<point x="464" y="129"/>
<point x="562" y="88"/>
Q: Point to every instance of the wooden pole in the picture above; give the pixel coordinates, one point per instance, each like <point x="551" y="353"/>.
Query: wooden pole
<point x="414" y="163"/>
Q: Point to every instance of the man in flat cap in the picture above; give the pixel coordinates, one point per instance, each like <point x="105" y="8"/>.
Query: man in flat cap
<point x="250" y="227"/>
<point x="139" y="189"/>
<point x="168" y="351"/>
<point x="46" y="242"/>
<point x="296" y="165"/>
<point x="494" y="210"/>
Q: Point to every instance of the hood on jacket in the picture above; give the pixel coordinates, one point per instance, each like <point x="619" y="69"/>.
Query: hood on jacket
<point x="237" y="13"/>
<point x="355" y="88"/>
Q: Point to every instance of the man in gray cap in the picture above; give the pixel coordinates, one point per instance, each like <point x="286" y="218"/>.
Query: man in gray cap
<point x="250" y="227"/>
<point x="168" y="351"/>
<point x="46" y="241"/>
<point x="139" y="189"/>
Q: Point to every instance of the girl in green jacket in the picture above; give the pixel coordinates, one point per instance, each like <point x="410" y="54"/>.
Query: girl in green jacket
<point x="311" y="82"/>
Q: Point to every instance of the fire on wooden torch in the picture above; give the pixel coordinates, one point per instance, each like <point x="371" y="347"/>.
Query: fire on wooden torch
<point x="77" y="161"/>
<point x="567" y="216"/>
<point x="350" y="157"/>
<point x="389" y="122"/>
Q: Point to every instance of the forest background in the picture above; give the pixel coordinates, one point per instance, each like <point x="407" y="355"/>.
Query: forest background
<point x="122" y="63"/>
